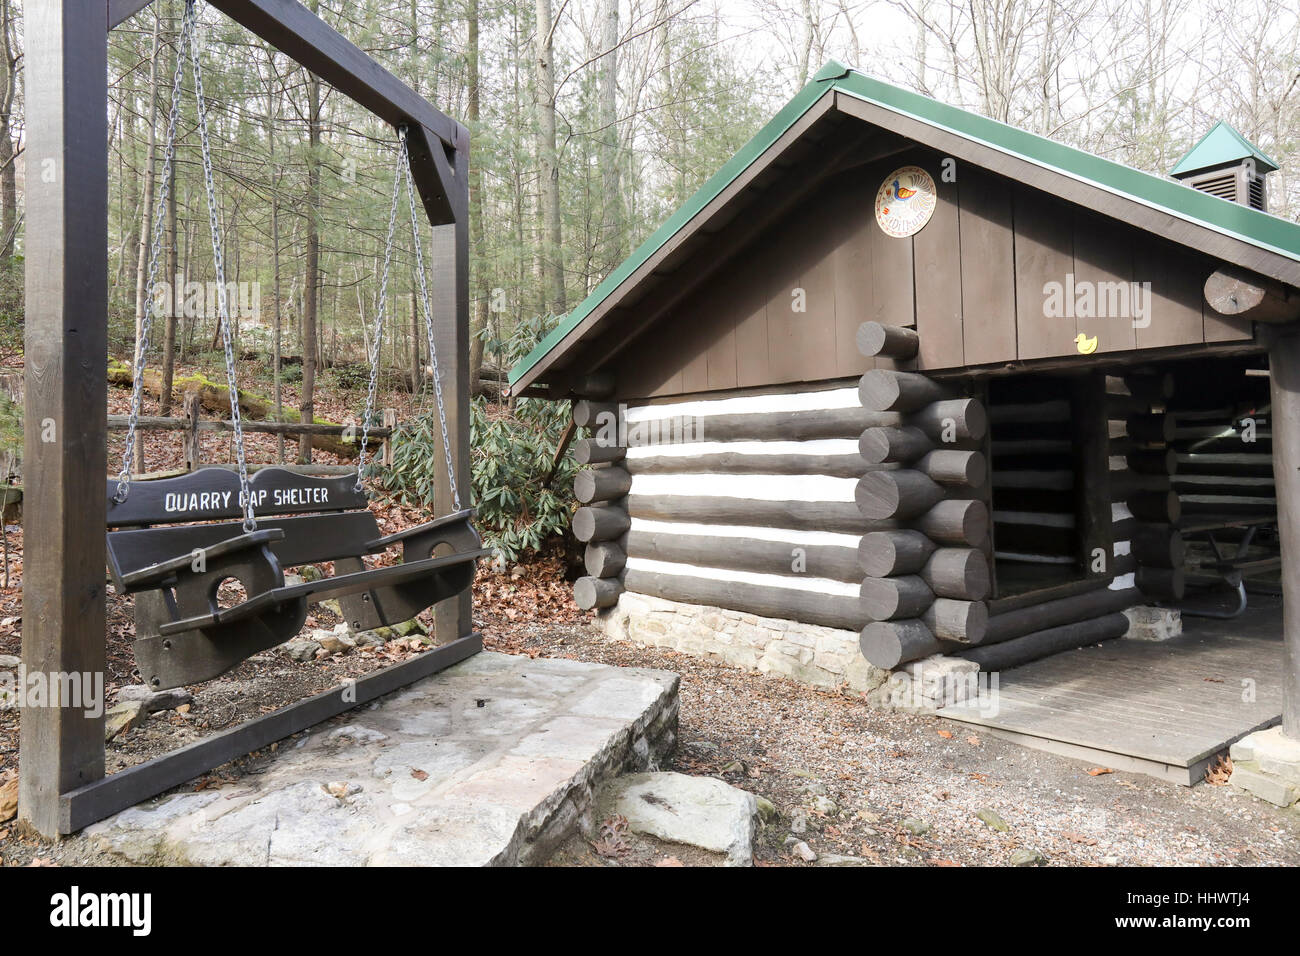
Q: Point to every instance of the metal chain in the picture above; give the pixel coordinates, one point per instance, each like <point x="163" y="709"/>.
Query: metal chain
<point x="428" y="325"/>
<point x="155" y="252"/>
<point x="377" y="338"/>
<point x="223" y="305"/>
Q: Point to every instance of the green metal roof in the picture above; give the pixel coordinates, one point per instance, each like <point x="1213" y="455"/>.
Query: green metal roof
<point x="1233" y="219"/>
<point x="1221" y="146"/>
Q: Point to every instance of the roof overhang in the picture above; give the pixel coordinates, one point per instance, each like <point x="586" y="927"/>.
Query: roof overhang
<point x="1238" y="235"/>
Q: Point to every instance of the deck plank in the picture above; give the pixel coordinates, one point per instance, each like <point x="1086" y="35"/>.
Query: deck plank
<point x="1173" y="704"/>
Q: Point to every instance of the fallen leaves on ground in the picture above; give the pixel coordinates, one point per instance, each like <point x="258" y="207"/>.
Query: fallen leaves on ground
<point x="612" y="843"/>
<point x="9" y="799"/>
<point x="1219" y="772"/>
<point x="1099" y="771"/>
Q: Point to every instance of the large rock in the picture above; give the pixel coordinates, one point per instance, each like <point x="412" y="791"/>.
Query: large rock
<point x="155" y="700"/>
<point x="125" y="716"/>
<point x="702" y="812"/>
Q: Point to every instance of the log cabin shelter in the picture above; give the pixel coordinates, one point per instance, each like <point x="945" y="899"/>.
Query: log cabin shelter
<point x="941" y="386"/>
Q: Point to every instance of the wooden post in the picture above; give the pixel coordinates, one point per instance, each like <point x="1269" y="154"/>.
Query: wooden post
<point x="65" y="425"/>
<point x="193" y="447"/>
<point x="1284" y="382"/>
<point x="453" y="618"/>
<point x="1092" y="474"/>
<point x="386" y="451"/>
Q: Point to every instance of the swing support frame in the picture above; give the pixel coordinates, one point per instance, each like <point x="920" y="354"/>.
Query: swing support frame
<point x="62" y="783"/>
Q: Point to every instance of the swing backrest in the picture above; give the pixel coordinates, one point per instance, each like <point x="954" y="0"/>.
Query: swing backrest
<point x="330" y="520"/>
<point x="211" y="494"/>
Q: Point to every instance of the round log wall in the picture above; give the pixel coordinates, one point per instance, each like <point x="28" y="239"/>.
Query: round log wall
<point x="926" y="578"/>
<point x="601" y="490"/>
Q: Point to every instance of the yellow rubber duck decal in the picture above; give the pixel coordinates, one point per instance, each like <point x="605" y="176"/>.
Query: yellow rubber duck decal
<point x="1085" y="345"/>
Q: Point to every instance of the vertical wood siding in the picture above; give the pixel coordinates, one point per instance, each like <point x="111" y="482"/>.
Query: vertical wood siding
<point x="971" y="282"/>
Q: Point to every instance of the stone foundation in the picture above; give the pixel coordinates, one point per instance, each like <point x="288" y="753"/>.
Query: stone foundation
<point x="1153" y="623"/>
<point x="1266" y="764"/>
<point x="807" y="653"/>
<point x="931" y="683"/>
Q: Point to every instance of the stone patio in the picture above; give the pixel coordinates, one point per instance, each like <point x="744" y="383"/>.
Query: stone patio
<point x="491" y="762"/>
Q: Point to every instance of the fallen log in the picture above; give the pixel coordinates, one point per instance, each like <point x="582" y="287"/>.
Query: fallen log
<point x="216" y="398"/>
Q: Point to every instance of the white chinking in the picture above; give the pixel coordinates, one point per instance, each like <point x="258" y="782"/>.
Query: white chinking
<point x="749" y="405"/>
<point x="780" y="581"/>
<point x="821" y="447"/>
<point x="749" y="487"/>
<point x="789" y="536"/>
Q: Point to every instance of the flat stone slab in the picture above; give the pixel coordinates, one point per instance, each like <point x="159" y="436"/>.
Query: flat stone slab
<point x="702" y="812"/>
<point x="494" y="761"/>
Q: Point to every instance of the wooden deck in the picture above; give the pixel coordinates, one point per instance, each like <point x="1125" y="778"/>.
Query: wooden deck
<point x="1163" y="709"/>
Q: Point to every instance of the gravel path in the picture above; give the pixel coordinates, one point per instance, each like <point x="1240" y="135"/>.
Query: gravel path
<point x="895" y="789"/>
<point x="861" y="786"/>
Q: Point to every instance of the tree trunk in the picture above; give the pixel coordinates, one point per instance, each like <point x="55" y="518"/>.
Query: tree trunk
<point x="311" y="281"/>
<point x="146" y="210"/>
<point x="547" y="160"/>
<point x="169" y="331"/>
<point x="8" y="176"/>
<point x="612" y="219"/>
<point x="277" y="318"/>
<point x="482" y="292"/>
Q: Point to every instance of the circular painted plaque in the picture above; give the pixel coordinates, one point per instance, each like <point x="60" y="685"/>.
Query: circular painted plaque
<point x="905" y="201"/>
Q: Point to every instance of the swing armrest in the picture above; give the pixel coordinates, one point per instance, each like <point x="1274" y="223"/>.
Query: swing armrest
<point x="155" y="574"/>
<point x="456" y="517"/>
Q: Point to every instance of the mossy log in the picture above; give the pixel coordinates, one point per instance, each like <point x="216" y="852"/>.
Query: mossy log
<point x="216" y="398"/>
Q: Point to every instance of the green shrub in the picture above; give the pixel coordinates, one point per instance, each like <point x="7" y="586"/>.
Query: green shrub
<point x="521" y="503"/>
<point x="353" y="377"/>
<point x="11" y="426"/>
<point x="519" y="509"/>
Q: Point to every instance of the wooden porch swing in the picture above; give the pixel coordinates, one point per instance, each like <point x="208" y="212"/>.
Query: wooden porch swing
<point x="183" y="633"/>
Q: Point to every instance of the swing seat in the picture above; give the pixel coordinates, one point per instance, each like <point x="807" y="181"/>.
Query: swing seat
<point x="184" y="635"/>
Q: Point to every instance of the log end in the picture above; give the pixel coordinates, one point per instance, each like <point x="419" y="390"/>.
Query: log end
<point x="889" y="341"/>
<point x="886" y="644"/>
<point x="593" y="593"/>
